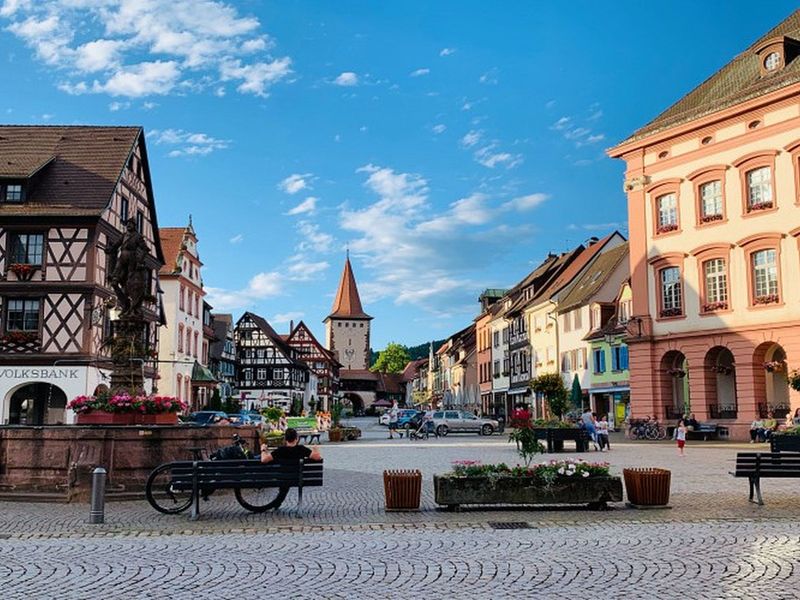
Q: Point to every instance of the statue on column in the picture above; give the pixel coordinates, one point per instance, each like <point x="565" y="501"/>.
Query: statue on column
<point x="128" y="275"/>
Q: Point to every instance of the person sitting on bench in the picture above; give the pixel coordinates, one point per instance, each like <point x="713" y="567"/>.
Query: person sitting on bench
<point x="757" y="431"/>
<point x="770" y="425"/>
<point x="292" y="451"/>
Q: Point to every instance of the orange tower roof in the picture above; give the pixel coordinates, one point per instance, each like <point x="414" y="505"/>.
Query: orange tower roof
<point x="347" y="303"/>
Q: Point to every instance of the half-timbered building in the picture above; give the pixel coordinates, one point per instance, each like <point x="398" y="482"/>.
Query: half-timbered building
<point x="269" y="371"/>
<point x="65" y="195"/>
<point x="320" y="361"/>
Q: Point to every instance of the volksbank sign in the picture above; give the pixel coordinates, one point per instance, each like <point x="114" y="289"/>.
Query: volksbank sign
<point x="39" y="373"/>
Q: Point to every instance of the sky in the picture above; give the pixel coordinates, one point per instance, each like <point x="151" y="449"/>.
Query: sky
<point x="449" y="146"/>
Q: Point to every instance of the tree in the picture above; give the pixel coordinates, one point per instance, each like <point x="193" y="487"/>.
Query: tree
<point x="393" y="359"/>
<point x="576" y="395"/>
<point x="214" y="403"/>
<point x="551" y="386"/>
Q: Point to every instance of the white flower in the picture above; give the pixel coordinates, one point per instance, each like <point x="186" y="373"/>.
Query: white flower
<point x="561" y="471"/>
<point x="585" y="474"/>
<point x="570" y="473"/>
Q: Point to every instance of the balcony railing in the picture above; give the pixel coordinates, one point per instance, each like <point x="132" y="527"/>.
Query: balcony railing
<point x="715" y="411"/>
<point x="779" y="411"/>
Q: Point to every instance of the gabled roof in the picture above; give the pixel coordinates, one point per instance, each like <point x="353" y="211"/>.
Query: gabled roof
<point x="347" y="303"/>
<point x="301" y="325"/>
<point x="276" y="339"/>
<point x="736" y="82"/>
<point x="171" y="243"/>
<point x="413" y="367"/>
<point x="76" y="167"/>
<point x="593" y="278"/>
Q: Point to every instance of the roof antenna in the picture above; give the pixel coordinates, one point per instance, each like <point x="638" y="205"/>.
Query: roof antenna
<point x="347" y="250"/>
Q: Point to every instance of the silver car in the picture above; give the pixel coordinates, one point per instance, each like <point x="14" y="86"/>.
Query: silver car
<point x="459" y="421"/>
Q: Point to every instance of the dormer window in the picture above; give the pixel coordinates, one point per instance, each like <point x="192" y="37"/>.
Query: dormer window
<point x="773" y="61"/>
<point x="11" y="192"/>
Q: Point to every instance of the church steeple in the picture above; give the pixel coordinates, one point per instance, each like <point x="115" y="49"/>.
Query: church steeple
<point x="347" y="304"/>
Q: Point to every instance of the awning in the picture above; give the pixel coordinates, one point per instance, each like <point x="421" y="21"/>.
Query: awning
<point x="201" y="376"/>
<point x="606" y="390"/>
<point x="518" y="391"/>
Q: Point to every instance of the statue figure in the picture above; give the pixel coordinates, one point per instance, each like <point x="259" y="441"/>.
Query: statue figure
<point x="128" y="274"/>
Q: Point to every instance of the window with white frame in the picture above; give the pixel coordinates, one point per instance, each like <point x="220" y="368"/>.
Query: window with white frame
<point x="277" y="374"/>
<point x="765" y="276"/>
<point x="22" y="315"/>
<point x="759" y="188"/>
<point x="716" y="279"/>
<point x="667" y="212"/>
<point x="566" y="362"/>
<point x="261" y="374"/>
<point x="496" y="339"/>
<point x="711" y="199"/>
<point x="624" y="311"/>
<point x="671" y="293"/>
<point x="566" y="317"/>
<point x="248" y="374"/>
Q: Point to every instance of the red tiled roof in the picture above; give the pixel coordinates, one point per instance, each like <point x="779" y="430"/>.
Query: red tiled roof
<point x="576" y="266"/>
<point x="171" y="243"/>
<point x="347" y="302"/>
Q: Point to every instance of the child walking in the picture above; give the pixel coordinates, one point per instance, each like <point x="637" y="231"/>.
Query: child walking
<point x="680" y="435"/>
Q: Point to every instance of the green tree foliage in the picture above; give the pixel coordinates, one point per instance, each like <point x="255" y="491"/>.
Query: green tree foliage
<point x="576" y="395"/>
<point x="215" y="402"/>
<point x="551" y="386"/>
<point x="393" y="359"/>
<point x="231" y="406"/>
<point x="414" y="352"/>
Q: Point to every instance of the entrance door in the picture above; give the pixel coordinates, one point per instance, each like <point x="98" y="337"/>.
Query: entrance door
<point x="37" y="404"/>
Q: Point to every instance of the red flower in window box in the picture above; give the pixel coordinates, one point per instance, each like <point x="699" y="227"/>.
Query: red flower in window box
<point x="760" y="206"/>
<point x="712" y="306"/>
<point x="23" y="271"/>
<point x="671" y="312"/>
<point x="667" y="228"/>
<point x="768" y="299"/>
<point x="19" y="337"/>
<point x="710" y="218"/>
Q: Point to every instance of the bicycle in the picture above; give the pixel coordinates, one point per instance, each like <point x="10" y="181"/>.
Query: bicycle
<point x="166" y="497"/>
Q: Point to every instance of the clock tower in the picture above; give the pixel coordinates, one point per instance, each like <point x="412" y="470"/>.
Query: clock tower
<point x="347" y="327"/>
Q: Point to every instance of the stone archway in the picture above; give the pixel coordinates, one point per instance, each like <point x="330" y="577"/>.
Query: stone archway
<point x="720" y="383"/>
<point x="772" y="382"/>
<point x="37" y="403"/>
<point x="356" y="402"/>
<point x="674" y="381"/>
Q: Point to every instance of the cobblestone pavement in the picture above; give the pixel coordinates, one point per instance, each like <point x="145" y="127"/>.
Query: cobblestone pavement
<point x="676" y="560"/>
<point x="713" y="543"/>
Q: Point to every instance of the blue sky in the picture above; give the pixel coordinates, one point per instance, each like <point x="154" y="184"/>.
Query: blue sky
<point x="450" y="145"/>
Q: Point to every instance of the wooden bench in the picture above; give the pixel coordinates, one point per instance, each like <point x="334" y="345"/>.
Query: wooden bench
<point x="556" y="436"/>
<point x="755" y="465"/>
<point x="250" y="481"/>
<point x="308" y="436"/>
<point x="703" y="431"/>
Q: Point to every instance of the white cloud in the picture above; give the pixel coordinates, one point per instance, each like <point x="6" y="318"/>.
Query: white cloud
<point x="309" y="205"/>
<point x="301" y="269"/>
<point x="312" y="239"/>
<point x="346" y="79"/>
<point x="439" y="128"/>
<point x="237" y="239"/>
<point x="561" y="124"/>
<point x="609" y="227"/>
<point x="261" y="286"/>
<point x="295" y="183"/>
<point x="489" y="157"/>
<point x="149" y="105"/>
<point x="419" y="72"/>
<point x="447" y="51"/>
<point x="115" y="106"/>
<point x="471" y="138"/>
<point x="523" y="203"/>
<point x="282" y="318"/>
<point x="187" y="143"/>
<point x="141" y="47"/>
<point x="489" y="78"/>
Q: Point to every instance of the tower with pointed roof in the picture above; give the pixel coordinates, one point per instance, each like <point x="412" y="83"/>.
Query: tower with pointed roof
<point x="347" y="328"/>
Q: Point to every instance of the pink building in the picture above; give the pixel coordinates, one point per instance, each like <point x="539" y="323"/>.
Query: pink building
<point x="713" y="187"/>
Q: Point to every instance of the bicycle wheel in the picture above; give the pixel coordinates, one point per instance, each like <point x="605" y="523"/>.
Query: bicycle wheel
<point x="662" y="432"/>
<point x="259" y="500"/>
<point x="633" y="433"/>
<point x="652" y="433"/>
<point x="163" y="495"/>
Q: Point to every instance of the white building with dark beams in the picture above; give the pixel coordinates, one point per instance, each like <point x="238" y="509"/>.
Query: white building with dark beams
<point x="65" y="194"/>
<point x="269" y="371"/>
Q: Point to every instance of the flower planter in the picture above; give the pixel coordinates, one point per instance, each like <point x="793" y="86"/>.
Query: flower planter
<point x="101" y="417"/>
<point x="595" y="491"/>
<point x="158" y="419"/>
<point x="784" y="443"/>
<point x="647" y="487"/>
<point x="335" y="435"/>
<point x="402" y="489"/>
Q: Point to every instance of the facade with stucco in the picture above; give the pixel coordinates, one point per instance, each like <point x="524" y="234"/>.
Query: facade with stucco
<point x="713" y="187"/>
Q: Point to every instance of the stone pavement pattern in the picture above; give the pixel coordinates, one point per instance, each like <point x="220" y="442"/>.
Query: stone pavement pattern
<point x="711" y="544"/>
<point x="705" y="560"/>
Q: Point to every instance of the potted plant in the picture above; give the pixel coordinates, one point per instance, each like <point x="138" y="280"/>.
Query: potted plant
<point x="787" y="440"/>
<point x="335" y="432"/>
<point x="124" y="409"/>
<point x="794" y="380"/>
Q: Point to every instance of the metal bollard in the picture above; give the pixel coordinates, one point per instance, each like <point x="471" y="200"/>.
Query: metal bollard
<point x="97" y="512"/>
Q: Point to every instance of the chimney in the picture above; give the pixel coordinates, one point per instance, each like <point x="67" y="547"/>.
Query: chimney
<point x="591" y="241"/>
<point x="291" y="326"/>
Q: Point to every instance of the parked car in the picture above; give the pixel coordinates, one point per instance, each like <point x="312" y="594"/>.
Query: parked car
<point x="458" y="421"/>
<point x="404" y="415"/>
<point x="205" y="417"/>
<point x="244" y="419"/>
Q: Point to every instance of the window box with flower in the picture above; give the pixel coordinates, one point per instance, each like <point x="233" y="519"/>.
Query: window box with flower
<point x="711" y="218"/>
<point x="760" y="206"/>
<point x="124" y="409"/>
<point x="671" y="312"/>
<point x="775" y="366"/>
<point x="714" y="306"/>
<point x="23" y="271"/>
<point x="766" y="299"/>
<point x="667" y="228"/>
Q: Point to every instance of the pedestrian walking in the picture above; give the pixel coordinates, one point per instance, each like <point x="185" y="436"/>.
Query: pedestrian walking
<point x="394" y="415"/>
<point x="602" y="433"/>
<point x="588" y="420"/>
<point x="680" y="436"/>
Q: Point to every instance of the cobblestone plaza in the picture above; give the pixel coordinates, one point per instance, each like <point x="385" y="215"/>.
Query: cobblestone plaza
<point x="342" y="544"/>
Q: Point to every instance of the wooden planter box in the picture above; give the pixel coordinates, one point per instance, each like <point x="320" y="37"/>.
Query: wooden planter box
<point x="595" y="491"/>
<point x="402" y="489"/>
<point x="158" y="419"/>
<point x="99" y="417"/>
<point x="785" y="443"/>
<point x="647" y="487"/>
<point x="335" y="435"/>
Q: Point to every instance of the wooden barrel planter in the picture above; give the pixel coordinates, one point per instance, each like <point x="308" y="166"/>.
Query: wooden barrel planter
<point x="402" y="489"/>
<point x="647" y="486"/>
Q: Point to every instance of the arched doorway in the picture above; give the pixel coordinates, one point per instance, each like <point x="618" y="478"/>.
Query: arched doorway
<point x="771" y="357"/>
<point x="675" y="385"/>
<point x="720" y="374"/>
<point x="37" y="404"/>
<point x="355" y="403"/>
